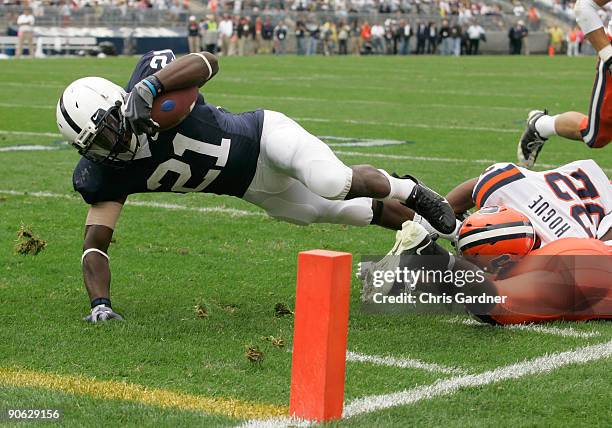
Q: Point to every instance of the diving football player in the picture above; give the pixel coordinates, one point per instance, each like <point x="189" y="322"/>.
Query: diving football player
<point x="261" y="156"/>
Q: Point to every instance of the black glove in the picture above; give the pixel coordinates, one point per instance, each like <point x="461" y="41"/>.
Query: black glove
<point x="137" y="109"/>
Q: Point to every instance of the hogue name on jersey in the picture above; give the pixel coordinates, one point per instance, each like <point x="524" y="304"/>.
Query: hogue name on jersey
<point x="549" y="216"/>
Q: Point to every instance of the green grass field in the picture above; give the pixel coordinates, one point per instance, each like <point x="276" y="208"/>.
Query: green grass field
<point x="457" y="115"/>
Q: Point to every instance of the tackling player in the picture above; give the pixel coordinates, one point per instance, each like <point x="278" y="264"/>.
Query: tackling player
<point x="596" y="128"/>
<point x="557" y="217"/>
<point x="261" y="156"/>
<point x="553" y="217"/>
<point x="574" y="200"/>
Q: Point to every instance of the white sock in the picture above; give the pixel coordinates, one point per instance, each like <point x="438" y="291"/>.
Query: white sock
<point x="545" y="126"/>
<point x="430" y="229"/>
<point x="401" y="188"/>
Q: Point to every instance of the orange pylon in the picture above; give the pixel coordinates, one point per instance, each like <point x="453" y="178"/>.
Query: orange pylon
<point x="320" y="334"/>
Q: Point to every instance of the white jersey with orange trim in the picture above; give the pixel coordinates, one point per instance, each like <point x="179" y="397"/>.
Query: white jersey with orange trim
<point x="574" y="200"/>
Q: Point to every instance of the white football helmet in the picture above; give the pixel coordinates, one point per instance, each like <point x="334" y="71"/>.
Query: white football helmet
<point x="89" y="117"/>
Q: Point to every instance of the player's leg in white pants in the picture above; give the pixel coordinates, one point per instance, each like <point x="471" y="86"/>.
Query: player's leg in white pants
<point x="300" y="180"/>
<point x="288" y="148"/>
<point x="285" y="198"/>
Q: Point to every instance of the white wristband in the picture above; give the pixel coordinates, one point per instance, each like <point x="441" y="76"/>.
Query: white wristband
<point x="606" y="53"/>
<point x="210" y="73"/>
<point x="93" y="250"/>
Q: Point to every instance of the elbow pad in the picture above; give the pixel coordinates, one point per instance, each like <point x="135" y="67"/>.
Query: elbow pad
<point x="587" y="16"/>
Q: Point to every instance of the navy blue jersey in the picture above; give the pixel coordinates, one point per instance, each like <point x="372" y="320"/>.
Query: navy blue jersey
<point x="211" y="151"/>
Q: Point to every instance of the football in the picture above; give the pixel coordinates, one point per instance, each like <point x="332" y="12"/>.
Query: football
<point x="171" y="108"/>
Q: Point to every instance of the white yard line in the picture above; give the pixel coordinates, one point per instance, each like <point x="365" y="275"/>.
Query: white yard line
<point x="361" y="142"/>
<point x="407" y="125"/>
<point x="345" y="121"/>
<point x="405" y="89"/>
<point x="230" y="211"/>
<point x="473" y="107"/>
<point x="439" y="159"/>
<point x="364" y="143"/>
<point x="28" y="148"/>
<point x="536" y="366"/>
<point x="323" y="79"/>
<point x="421" y="158"/>
<point x="31" y="133"/>
<point x="347" y="142"/>
<point x="443" y="387"/>
<point x="35" y="84"/>
<point x="399" y="362"/>
<point x="403" y="363"/>
<point x="536" y="328"/>
<point x="38" y="106"/>
<point x="233" y="212"/>
<point x="404" y="105"/>
<point x="38" y="194"/>
<point x="368" y="143"/>
<point x="565" y="332"/>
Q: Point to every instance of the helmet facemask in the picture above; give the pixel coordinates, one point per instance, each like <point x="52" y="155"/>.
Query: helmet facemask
<point x="106" y="140"/>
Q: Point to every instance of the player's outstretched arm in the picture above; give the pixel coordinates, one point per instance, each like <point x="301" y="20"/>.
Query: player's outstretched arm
<point x="460" y="198"/>
<point x="99" y="228"/>
<point x="191" y="70"/>
<point x="590" y="23"/>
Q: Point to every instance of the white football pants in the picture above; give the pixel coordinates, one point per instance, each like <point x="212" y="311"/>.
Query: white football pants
<point x="299" y="179"/>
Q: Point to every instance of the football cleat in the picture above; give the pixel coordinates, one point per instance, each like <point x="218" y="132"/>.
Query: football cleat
<point x="431" y="206"/>
<point x="412" y="242"/>
<point x="412" y="239"/>
<point x="531" y="141"/>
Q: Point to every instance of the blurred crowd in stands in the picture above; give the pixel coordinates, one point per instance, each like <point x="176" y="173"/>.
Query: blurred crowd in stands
<point x="90" y="12"/>
<point x="116" y="11"/>
<point x="243" y="35"/>
<point x="397" y="27"/>
<point x="464" y="9"/>
<point x="38" y="6"/>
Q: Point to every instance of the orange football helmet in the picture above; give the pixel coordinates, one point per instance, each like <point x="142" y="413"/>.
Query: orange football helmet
<point x="496" y="231"/>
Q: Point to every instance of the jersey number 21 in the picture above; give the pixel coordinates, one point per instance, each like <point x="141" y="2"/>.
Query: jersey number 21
<point x="181" y="144"/>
